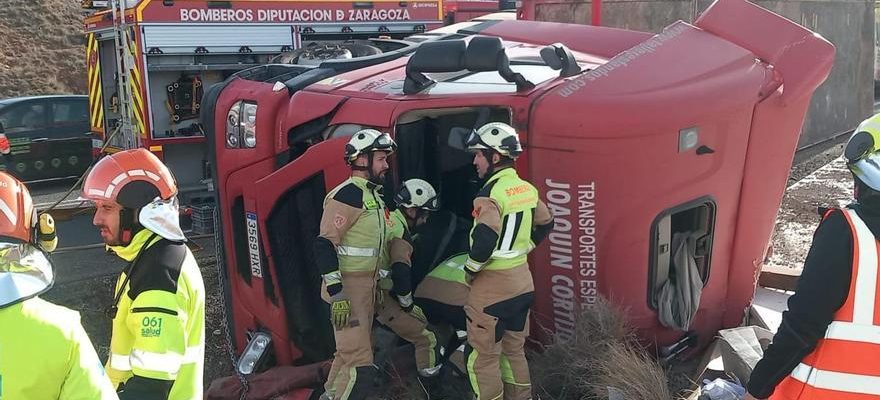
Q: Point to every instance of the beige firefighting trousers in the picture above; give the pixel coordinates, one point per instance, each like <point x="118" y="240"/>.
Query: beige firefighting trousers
<point x="498" y="324"/>
<point x="352" y="370"/>
<point x="411" y="329"/>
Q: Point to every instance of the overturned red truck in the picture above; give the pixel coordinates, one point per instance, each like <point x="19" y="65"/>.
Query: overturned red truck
<point x="631" y="138"/>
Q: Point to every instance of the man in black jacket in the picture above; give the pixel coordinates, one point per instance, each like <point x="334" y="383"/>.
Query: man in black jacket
<point x="824" y="285"/>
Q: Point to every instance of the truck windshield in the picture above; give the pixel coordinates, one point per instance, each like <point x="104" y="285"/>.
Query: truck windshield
<point x="488" y="81"/>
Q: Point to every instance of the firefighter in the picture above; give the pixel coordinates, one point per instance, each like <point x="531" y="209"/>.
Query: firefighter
<point x="158" y="312"/>
<point x="509" y="218"/>
<point x="440" y="245"/>
<point x="44" y="350"/>
<point x="355" y="240"/>
<point x="403" y="316"/>
<point x="826" y="345"/>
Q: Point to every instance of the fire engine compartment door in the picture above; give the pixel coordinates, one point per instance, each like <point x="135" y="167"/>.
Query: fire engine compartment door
<point x="185" y="39"/>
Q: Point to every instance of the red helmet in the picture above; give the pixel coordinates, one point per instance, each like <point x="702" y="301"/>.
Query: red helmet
<point x="132" y="178"/>
<point x="17" y="216"/>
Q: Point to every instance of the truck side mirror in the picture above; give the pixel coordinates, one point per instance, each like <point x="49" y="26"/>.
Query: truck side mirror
<point x="560" y="58"/>
<point x="440" y="56"/>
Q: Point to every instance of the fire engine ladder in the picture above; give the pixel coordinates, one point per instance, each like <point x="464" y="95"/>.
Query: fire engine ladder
<point x="127" y="136"/>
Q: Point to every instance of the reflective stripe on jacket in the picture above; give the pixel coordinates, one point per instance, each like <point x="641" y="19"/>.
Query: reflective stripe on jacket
<point x="844" y="363"/>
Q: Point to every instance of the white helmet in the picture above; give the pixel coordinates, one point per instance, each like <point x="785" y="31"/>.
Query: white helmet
<point x="862" y="152"/>
<point x="496" y="136"/>
<point x="417" y="193"/>
<point x="368" y="141"/>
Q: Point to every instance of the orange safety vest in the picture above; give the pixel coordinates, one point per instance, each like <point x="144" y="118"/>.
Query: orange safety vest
<point x="845" y="365"/>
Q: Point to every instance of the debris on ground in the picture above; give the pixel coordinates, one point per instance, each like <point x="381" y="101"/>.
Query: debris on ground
<point x="602" y="360"/>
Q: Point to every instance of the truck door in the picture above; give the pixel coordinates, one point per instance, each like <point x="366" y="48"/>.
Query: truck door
<point x="287" y="207"/>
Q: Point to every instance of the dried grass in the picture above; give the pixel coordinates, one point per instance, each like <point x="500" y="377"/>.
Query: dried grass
<point x="602" y="357"/>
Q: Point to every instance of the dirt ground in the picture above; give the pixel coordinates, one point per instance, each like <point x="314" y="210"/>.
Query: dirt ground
<point x="830" y="185"/>
<point x="43" y="48"/>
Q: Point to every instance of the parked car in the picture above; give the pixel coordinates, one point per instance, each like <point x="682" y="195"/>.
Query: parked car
<point x="49" y="136"/>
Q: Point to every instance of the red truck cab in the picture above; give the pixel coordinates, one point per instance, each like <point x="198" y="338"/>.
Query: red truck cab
<point x="630" y="137"/>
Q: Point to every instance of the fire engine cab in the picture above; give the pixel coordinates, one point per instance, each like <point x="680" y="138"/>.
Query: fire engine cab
<point x="149" y="61"/>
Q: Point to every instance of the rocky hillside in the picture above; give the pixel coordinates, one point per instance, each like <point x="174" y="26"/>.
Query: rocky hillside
<point x="42" y="48"/>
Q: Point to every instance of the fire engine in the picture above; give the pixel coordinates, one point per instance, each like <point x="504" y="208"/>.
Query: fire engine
<point x="631" y="138"/>
<point x="455" y="11"/>
<point x="149" y="61"/>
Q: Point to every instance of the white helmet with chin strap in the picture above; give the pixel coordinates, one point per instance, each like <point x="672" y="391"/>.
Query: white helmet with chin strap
<point x="417" y="193"/>
<point x="367" y="141"/>
<point x="496" y="136"/>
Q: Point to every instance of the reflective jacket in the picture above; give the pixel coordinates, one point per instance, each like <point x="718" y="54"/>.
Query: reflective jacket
<point x="506" y="210"/>
<point x="844" y="364"/>
<point x="158" y="341"/>
<point x="357" y="231"/>
<point x="45" y="353"/>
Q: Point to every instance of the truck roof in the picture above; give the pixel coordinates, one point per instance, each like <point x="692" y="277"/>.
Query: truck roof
<point x="386" y="80"/>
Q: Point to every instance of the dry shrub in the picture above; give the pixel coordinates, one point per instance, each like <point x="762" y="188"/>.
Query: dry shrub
<point x="602" y="355"/>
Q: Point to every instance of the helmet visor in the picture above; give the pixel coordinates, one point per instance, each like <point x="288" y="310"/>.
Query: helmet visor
<point x="474" y="141"/>
<point x="384" y="143"/>
<point x="867" y="170"/>
<point x="25" y="271"/>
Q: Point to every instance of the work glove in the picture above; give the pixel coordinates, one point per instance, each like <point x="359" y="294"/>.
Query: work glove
<point x="418" y="314"/>
<point x="405" y="301"/>
<point x="472" y="268"/>
<point x="340" y="306"/>
<point x="46" y="236"/>
<point x="340" y="310"/>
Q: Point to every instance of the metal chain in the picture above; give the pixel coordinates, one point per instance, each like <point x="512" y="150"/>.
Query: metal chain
<point x="218" y="248"/>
